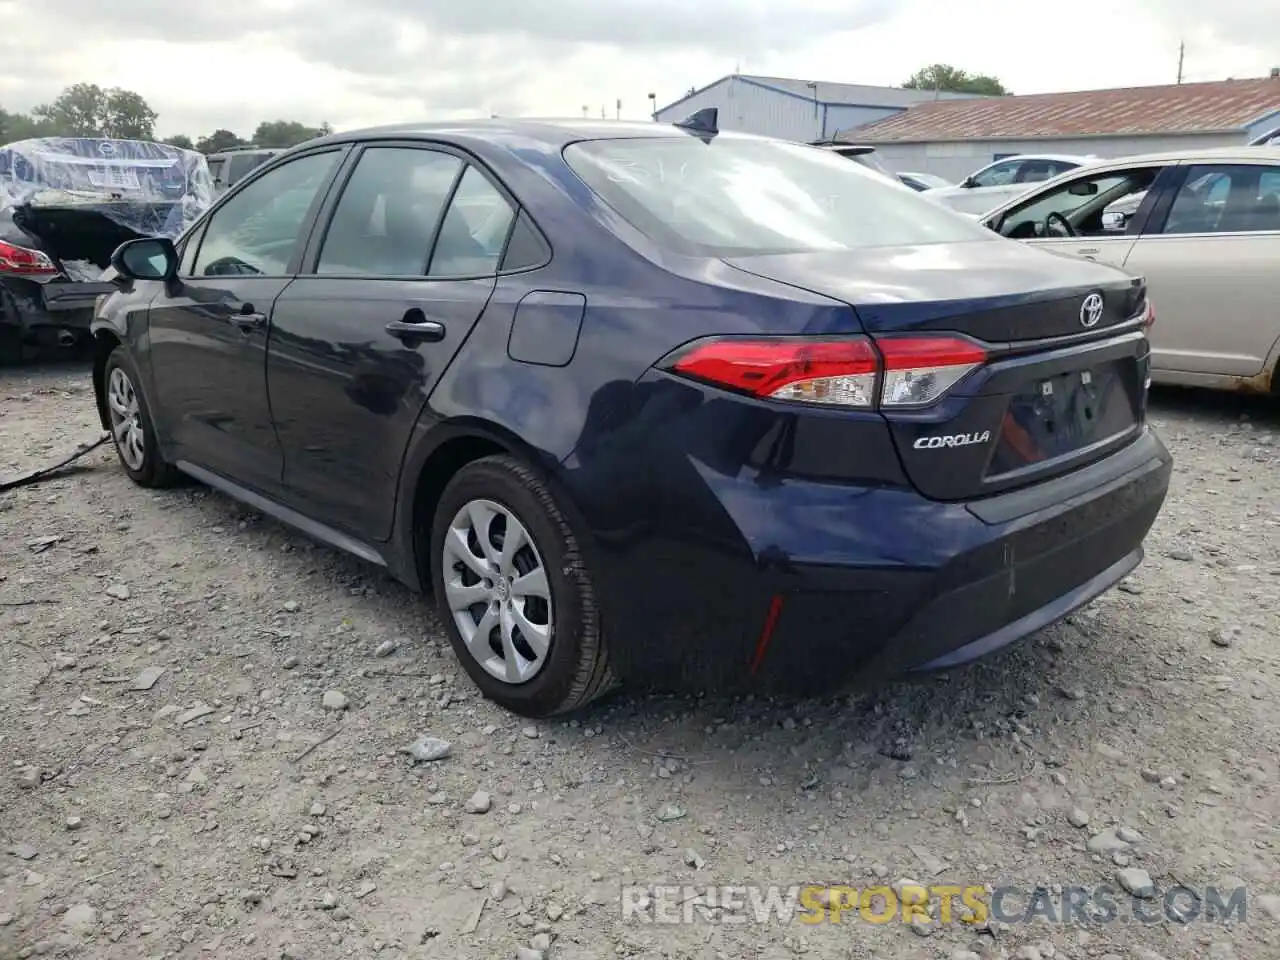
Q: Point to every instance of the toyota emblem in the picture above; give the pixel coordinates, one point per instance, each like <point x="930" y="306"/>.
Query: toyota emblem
<point x="1091" y="310"/>
<point x="106" y="148"/>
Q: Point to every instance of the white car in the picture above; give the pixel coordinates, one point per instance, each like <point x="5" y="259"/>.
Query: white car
<point x="1004" y="180"/>
<point x="1203" y="228"/>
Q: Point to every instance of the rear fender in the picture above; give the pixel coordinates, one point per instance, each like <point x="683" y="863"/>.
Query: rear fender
<point x="431" y="449"/>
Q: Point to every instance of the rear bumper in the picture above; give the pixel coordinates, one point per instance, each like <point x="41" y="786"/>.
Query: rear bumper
<point x="31" y="306"/>
<point x="875" y="583"/>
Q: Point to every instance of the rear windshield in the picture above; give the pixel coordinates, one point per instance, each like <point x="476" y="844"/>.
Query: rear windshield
<point x="738" y="197"/>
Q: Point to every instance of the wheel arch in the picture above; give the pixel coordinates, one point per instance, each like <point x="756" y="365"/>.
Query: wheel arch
<point x="105" y="340"/>
<point x="434" y="457"/>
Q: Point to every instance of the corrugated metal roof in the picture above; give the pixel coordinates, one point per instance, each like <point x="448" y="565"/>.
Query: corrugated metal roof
<point x="1222" y="106"/>
<point x="855" y="93"/>
<point x="833" y="94"/>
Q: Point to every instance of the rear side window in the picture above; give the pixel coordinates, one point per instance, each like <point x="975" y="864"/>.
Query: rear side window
<point x="526" y="248"/>
<point x="387" y="215"/>
<point x="475" y="230"/>
<point x="737" y="197"/>
<point x="1243" y="198"/>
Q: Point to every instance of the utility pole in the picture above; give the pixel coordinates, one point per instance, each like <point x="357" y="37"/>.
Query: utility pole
<point x="1182" y="49"/>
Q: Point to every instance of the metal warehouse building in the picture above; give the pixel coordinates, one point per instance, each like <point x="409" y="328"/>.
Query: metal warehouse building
<point x="796" y="109"/>
<point x="952" y="139"/>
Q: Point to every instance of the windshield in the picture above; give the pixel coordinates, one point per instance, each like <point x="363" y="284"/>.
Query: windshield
<point x="736" y="197"/>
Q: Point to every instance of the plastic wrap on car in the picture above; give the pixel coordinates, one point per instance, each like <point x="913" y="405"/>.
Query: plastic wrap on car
<point x="152" y="188"/>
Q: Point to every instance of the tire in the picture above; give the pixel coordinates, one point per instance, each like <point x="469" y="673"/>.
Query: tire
<point x="573" y="667"/>
<point x="133" y="434"/>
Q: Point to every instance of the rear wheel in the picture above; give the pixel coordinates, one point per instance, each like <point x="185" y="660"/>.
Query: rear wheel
<point x="514" y="591"/>
<point x="132" y="429"/>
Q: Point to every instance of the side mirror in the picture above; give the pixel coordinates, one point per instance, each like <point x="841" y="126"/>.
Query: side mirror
<point x="968" y="183"/>
<point x="147" y="258"/>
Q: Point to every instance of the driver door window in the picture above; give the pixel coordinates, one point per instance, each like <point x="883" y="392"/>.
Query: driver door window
<point x="258" y="231"/>
<point x="998" y="174"/>
<point x="1090" y="206"/>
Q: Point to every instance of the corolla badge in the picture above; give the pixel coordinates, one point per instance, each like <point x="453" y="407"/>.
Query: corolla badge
<point x="1091" y="310"/>
<point x="952" y="440"/>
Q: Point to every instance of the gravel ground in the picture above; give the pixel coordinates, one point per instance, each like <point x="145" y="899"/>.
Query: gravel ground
<point x="205" y="720"/>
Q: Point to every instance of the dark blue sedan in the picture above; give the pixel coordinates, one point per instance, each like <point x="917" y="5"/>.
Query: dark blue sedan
<point x="646" y="402"/>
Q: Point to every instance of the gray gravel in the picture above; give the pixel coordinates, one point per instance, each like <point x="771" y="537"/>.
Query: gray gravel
<point x="224" y="740"/>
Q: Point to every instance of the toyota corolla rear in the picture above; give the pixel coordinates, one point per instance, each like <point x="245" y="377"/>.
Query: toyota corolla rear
<point x="901" y="441"/>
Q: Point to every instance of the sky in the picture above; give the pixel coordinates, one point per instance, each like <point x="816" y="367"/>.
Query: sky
<point x="204" y="64"/>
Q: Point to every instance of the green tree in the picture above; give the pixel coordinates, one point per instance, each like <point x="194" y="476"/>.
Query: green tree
<point x="87" y="110"/>
<point x="180" y="140"/>
<point x="76" y="112"/>
<point x="218" y="141"/>
<point x="126" y="116"/>
<point x="285" y="133"/>
<point x="948" y="79"/>
<point x="20" y="126"/>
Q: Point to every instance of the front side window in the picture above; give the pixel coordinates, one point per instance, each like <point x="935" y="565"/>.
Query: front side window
<point x="1242" y="198"/>
<point x="257" y="231"/>
<point x="1092" y="206"/>
<point x="998" y="174"/>
<point x="187" y="256"/>
<point x="738" y="197"/>
<point x="387" y="215"/>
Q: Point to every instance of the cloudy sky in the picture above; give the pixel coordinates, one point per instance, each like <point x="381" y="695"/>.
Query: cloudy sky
<point x="209" y="63"/>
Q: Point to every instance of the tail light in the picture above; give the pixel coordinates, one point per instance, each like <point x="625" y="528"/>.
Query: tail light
<point x="849" y="372"/>
<point x="20" y="260"/>
<point x="920" y="370"/>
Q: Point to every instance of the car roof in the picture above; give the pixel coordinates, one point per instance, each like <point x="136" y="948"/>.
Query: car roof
<point x="1065" y="157"/>
<point x="551" y="133"/>
<point x="1241" y="154"/>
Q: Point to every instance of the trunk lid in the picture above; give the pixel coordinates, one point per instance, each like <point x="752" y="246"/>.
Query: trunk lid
<point x="1065" y="379"/>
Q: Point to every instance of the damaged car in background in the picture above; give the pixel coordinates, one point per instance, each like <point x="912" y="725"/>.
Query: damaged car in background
<point x="65" y="205"/>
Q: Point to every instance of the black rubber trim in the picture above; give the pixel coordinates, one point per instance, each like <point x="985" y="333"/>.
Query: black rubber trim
<point x="1124" y="466"/>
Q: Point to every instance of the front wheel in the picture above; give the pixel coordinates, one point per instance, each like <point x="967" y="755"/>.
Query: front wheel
<point x="514" y="591"/>
<point x="132" y="428"/>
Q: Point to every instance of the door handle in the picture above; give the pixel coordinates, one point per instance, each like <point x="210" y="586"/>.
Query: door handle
<point x="415" y="326"/>
<point x="1087" y="252"/>
<point x="246" y="318"/>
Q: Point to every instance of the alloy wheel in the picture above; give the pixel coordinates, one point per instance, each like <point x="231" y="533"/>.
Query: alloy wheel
<point x="497" y="591"/>
<point x="126" y="420"/>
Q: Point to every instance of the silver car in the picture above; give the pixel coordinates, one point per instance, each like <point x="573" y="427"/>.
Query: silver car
<point x="1203" y="227"/>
